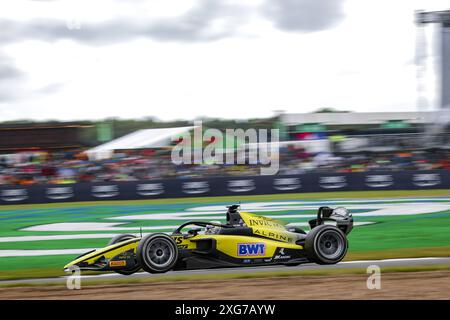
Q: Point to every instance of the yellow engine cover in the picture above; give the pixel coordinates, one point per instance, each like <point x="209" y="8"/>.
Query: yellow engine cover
<point x="269" y="228"/>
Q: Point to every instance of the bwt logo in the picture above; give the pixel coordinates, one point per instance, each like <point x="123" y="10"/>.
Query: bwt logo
<point x="251" y="249"/>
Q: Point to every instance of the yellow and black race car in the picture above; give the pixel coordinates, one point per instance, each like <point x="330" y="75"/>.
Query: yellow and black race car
<point x="245" y="240"/>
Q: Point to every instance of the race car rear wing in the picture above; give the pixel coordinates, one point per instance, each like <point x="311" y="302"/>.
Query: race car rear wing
<point x="340" y="215"/>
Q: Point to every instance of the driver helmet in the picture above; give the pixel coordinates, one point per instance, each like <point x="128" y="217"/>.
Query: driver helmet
<point x="212" y="229"/>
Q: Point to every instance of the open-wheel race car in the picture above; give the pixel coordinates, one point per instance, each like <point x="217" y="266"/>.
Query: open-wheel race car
<point x="244" y="240"/>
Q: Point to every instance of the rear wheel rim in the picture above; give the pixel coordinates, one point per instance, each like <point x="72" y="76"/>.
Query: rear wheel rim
<point x="330" y="245"/>
<point x="160" y="253"/>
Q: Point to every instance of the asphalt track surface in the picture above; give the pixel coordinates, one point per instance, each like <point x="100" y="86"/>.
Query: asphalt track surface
<point x="363" y="264"/>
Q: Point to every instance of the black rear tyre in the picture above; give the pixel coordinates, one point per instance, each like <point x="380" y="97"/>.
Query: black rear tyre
<point x="157" y="253"/>
<point x="326" y="244"/>
<point x="120" y="238"/>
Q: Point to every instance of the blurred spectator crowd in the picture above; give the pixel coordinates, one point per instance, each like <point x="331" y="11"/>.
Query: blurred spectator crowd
<point x="61" y="168"/>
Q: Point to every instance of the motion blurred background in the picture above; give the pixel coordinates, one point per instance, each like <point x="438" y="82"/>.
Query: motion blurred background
<point x="91" y="95"/>
<point x="321" y="142"/>
<point x="108" y="70"/>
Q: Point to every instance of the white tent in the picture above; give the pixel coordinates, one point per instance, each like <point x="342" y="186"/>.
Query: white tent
<point x="140" y="139"/>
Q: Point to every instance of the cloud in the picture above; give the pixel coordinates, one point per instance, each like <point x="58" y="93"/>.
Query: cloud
<point x="51" y="88"/>
<point x="10" y="78"/>
<point x="13" y="82"/>
<point x="211" y="20"/>
<point x="304" y="15"/>
<point x="207" y="21"/>
<point x="8" y="72"/>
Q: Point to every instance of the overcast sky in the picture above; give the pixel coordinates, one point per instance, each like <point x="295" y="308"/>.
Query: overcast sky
<point x="173" y="59"/>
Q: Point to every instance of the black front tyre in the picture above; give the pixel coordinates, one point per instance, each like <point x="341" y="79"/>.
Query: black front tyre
<point x="157" y="253"/>
<point x="326" y="244"/>
<point x="120" y="238"/>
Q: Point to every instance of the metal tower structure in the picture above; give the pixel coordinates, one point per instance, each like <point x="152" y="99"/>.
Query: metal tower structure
<point x="433" y="134"/>
<point x="443" y="19"/>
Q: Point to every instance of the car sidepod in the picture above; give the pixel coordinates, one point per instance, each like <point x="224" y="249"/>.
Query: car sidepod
<point x="210" y="251"/>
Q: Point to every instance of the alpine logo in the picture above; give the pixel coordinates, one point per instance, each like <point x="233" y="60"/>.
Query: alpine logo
<point x="251" y="249"/>
<point x="281" y="255"/>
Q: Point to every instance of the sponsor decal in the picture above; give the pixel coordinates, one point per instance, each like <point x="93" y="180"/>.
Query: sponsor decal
<point x="251" y="249"/>
<point x="379" y="180"/>
<point x="261" y="222"/>
<point x="286" y="184"/>
<point x="126" y="255"/>
<point x="281" y="255"/>
<point x="195" y="187"/>
<point x="149" y="189"/>
<point x="273" y="235"/>
<point x="334" y="182"/>
<point x="179" y="242"/>
<point x="105" y="191"/>
<point x="59" y="193"/>
<point x="14" y="194"/>
<point x="426" y="179"/>
<point x="241" y="185"/>
<point x="118" y="263"/>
